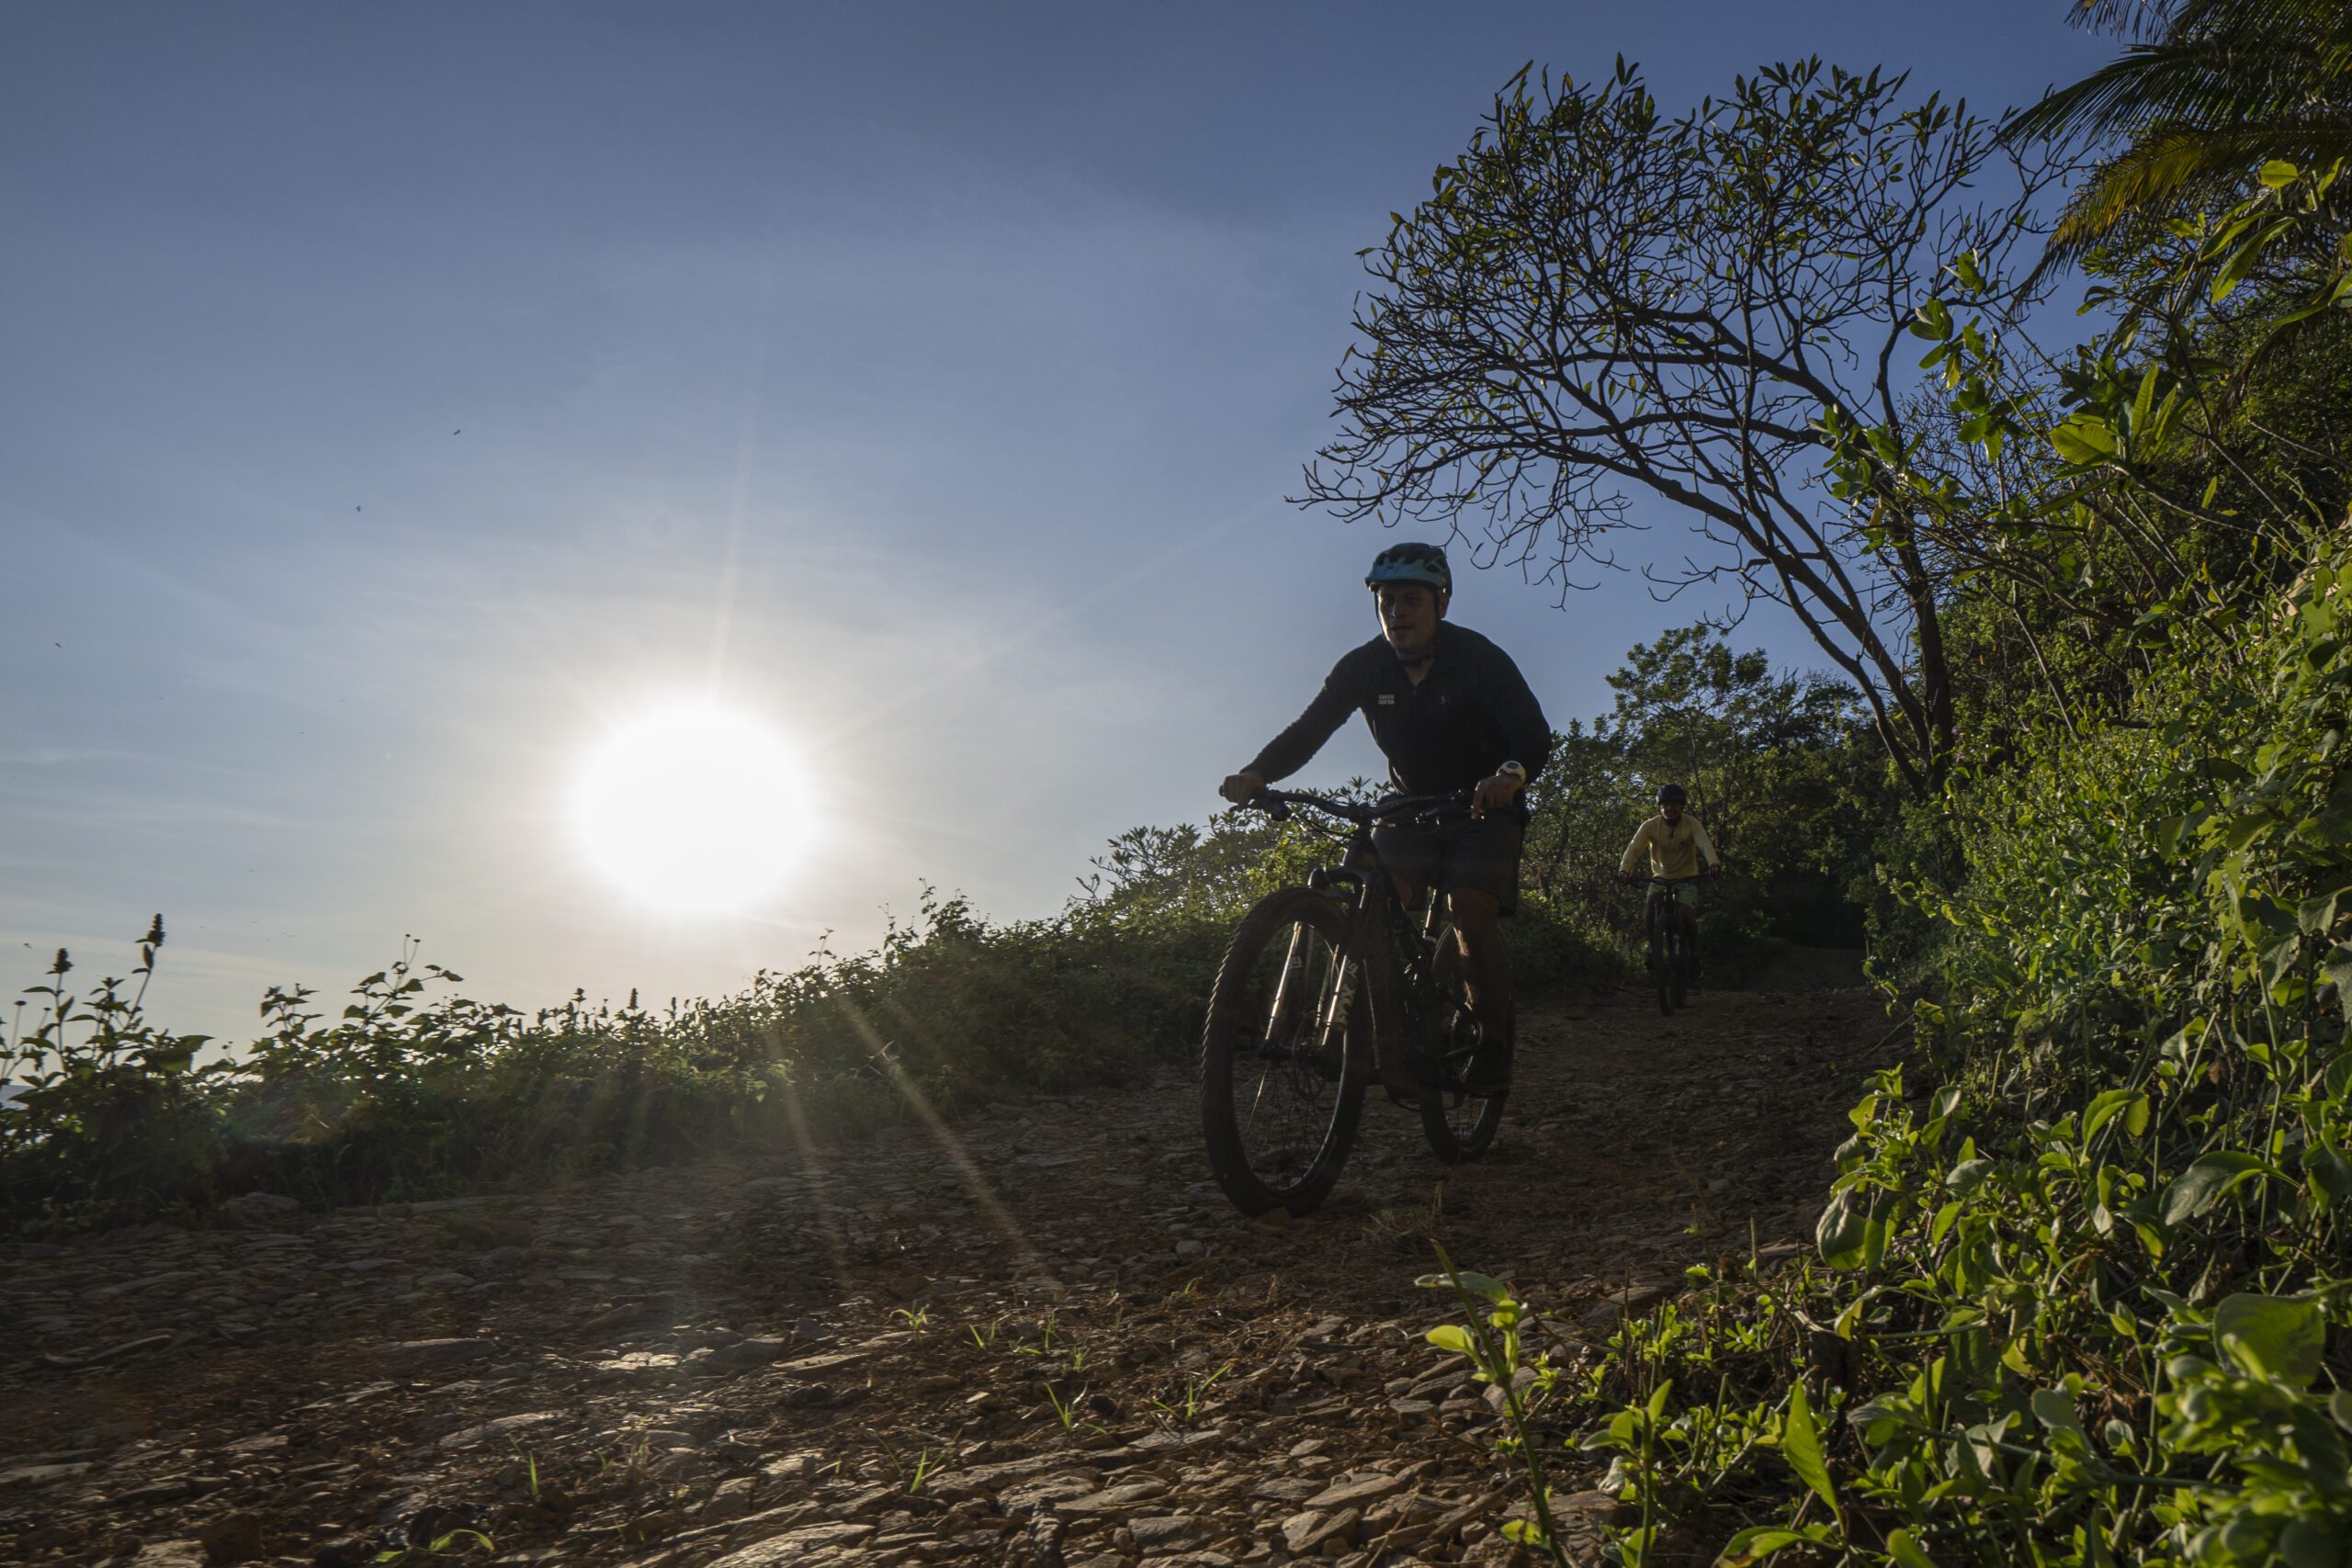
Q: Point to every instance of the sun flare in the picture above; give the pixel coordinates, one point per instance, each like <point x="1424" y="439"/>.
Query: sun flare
<point x="695" y="811"/>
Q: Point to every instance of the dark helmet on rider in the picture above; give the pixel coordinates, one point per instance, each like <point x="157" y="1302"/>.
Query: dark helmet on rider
<point x="1671" y="794"/>
<point x="1413" y="562"/>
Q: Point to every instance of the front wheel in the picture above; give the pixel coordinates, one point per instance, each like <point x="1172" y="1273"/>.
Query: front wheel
<point x="1677" y="962"/>
<point x="1662" y="946"/>
<point x="1459" y="1126"/>
<point x="1280" y="1093"/>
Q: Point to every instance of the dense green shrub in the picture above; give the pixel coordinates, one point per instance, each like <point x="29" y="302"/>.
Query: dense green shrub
<point x="410" y="1092"/>
<point x="2078" y="1301"/>
<point x="1793" y="789"/>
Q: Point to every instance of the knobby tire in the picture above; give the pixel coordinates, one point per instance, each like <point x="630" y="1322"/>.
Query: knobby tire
<point x="1279" y="1097"/>
<point x="1677" y="968"/>
<point x="1662" y="945"/>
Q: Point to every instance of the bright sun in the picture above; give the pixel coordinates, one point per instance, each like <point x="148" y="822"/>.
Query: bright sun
<point x="693" y="809"/>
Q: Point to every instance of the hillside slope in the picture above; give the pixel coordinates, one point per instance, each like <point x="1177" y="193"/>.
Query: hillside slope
<point x="897" y="1353"/>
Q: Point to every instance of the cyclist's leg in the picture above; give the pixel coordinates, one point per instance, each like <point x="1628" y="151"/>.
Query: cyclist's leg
<point x="1478" y="926"/>
<point x="1481" y="883"/>
<point x="1480" y="880"/>
<point x="1410" y="861"/>
<point x="1687" y="901"/>
<point x="1411" y="857"/>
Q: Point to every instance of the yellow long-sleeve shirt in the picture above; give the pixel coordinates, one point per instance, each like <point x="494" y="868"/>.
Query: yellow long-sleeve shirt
<point x="1673" y="851"/>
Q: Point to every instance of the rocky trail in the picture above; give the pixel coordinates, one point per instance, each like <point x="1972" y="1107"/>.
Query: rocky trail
<point x="1038" y="1336"/>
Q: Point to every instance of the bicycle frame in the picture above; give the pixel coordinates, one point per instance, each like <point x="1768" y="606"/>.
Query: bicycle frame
<point x="1381" y="935"/>
<point x="1357" y="995"/>
<point x="1659" y="894"/>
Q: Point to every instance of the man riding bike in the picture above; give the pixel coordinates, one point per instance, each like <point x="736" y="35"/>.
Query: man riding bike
<point x="1674" y="842"/>
<point x="1450" y="712"/>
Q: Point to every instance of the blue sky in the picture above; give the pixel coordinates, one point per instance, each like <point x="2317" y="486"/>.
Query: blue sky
<point x="394" y="399"/>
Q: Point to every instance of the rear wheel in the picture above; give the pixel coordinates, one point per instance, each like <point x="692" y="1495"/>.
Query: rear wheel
<point x="1678" y="964"/>
<point x="1459" y="1126"/>
<point x="1662" y="955"/>
<point x="1280" y="1098"/>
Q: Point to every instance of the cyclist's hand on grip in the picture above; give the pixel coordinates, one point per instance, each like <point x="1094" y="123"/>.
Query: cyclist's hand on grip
<point x="1240" y="788"/>
<point x="1493" y="791"/>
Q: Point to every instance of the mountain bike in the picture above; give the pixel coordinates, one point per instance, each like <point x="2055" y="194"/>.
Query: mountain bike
<point x="1323" y="988"/>
<point x="1670" y="958"/>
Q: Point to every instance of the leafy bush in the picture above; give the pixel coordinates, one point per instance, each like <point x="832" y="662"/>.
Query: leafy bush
<point x="410" y="1093"/>
<point x="416" y="1091"/>
<point x="1791" y="787"/>
<point x="2078" y="1300"/>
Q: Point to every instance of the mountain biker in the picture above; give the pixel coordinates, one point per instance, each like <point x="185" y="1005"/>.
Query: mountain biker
<point x="1450" y="712"/>
<point x="1674" y="842"/>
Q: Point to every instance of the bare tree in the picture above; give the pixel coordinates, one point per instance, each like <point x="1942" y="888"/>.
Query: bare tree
<point x="1595" y="300"/>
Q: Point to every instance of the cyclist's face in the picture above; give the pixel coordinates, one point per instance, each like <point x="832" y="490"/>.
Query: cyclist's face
<point x="1408" y="618"/>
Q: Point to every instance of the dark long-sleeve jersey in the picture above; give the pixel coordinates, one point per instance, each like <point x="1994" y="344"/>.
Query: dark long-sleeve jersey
<point x="1471" y="714"/>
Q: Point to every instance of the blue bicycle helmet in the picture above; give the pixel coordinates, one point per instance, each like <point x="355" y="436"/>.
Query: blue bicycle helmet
<point x="1413" y="562"/>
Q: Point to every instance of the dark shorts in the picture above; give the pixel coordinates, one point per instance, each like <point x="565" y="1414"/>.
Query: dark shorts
<point x="1480" y="854"/>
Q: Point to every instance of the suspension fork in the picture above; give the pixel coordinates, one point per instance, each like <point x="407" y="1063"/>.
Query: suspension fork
<point x="1338" y="1002"/>
<point x="1332" y="1002"/>
<point x="1358" y="953"/>
<point x="1287" y="991"/>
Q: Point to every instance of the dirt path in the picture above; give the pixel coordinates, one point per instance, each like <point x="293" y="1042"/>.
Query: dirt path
<point x="897" y="1355"/>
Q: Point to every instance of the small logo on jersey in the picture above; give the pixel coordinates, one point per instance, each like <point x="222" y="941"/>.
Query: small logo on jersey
<point x="1388" y="699"/>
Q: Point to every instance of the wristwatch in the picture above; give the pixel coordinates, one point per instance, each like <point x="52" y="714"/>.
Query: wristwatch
<point x="1513" y="770"/>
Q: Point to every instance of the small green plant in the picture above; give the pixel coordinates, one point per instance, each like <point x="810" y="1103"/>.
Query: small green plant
<point x="910" y="1480"/>
<point x="1196" y="1388"/>
<point x="1065" y="1411"/>
<point x="440" y="1546"/>
<point x="1490" y="1339"/>
<point x="916" y="1318"/>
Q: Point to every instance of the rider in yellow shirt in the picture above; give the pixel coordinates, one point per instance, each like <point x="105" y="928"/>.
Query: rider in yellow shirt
<point x="1677" y="846"/>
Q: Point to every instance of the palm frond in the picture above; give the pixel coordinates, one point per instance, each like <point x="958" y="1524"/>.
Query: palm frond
<point x="2132" y="19"/>
<point x="2150" y="19"/>
<point x="2154" y="173"/>
<point x="2211" y="81"/>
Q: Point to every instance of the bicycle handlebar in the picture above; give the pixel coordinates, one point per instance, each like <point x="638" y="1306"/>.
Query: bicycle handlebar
<point x="1276" y="803"/>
